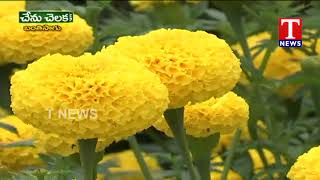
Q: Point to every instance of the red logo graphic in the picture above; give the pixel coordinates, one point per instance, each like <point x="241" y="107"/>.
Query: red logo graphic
<point x="290" y="32"/>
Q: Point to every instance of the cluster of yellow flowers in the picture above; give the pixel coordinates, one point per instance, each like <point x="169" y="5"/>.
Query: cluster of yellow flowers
<point x="307" y="166"/>
<point x="127" y="91"/>
<point x="125" y="161"/>
<point x="224" y="115"/>
<point x="192" y="65"/>
<point x="126" y="96"/>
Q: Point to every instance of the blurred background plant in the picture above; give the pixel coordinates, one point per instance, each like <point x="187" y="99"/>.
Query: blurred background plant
<point x="281" y="85"/>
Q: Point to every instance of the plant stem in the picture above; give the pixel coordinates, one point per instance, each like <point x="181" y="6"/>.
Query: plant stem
<point x="137" y="152"/>
<point x="231" y="151"/>
<point x="175" y="119"/>
<point x="201" y="149"/>
<point x="88" y="158"/>
<point x="153" y="135"/>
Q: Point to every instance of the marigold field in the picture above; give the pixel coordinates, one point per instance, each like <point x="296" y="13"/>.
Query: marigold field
<point x="158" y="90"/>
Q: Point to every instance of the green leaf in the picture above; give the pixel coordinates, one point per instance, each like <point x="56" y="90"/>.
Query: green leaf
<point x="26" y="143"/>
<point x="9" y="127"/>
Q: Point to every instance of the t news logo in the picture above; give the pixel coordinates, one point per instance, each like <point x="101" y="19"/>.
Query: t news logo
<point x="290" y="32"/>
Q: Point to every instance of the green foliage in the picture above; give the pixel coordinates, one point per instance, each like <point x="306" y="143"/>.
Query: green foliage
<point x="8" y="127"/>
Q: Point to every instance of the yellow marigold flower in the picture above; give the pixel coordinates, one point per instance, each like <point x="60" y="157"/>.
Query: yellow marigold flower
<point x="19" y="46"/>
<point x="126" y="161"/>
<point x="11" y="7"/>
<point x="193" y="65"/>
<point x="307" y="166"/>
<point x="223" y="115"/>
<point x="232" y="175"/>
<point x="91" y="96"/>
<point x="17" y="158"/>
<point x="281" y="64"/>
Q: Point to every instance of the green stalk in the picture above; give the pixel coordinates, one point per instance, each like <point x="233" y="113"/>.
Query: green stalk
<point x="88" y="158"/>
<point x="152" y="134"/>
<point x="234" y="17"/>
<point x="235" y="20"/>
<point x="201" y="149"/>
<point x="175" y="119"/>
<point x="137" y="152"/>
<point x="231" y="150"/>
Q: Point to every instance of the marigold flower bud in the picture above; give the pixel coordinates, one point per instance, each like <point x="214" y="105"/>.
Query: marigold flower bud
<point x="223" y="115"/>
<point x="193" y="65"/>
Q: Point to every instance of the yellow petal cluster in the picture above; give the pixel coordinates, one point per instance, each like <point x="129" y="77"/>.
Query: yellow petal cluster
<point x="126" y="161"/>
<point x="307" y="166"/>
<point x="11" y="7"/>
<point x="91" y="96"/>
<point x="232" y="175"/>
<point x="224" y="115"/>
<point x="17" y="158"/>
<point x="193" y="65"/>
<point x="19" y="46"/>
